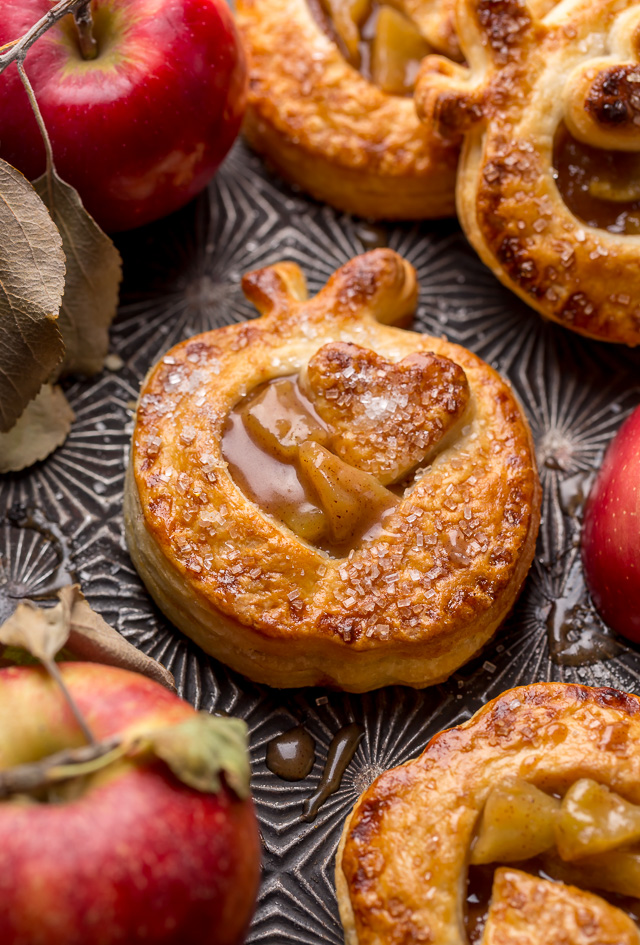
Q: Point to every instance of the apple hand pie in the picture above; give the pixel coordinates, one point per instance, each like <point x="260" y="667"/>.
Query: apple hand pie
<point x="548" y="190"/>
<point x="542" y="785"/>
<point x="330" y="101"/>
<point x="319" y="497"/>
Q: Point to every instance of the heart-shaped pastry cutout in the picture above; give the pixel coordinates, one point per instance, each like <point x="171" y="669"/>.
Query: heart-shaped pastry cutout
<point x="385" y="417"/>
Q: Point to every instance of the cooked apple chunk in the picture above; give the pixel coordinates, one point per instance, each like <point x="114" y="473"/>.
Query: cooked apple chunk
<point x="348" y="496"/>
<point x="615" y="872"/>
<point x="347" y="16"/>
<point x="593" y="820"/>
<point x="279" y="422"/>
<point x="397" y="50"/>
<point x="518" y="822"/>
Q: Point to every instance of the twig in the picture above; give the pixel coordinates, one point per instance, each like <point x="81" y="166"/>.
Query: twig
<point x="52" y="668"/>
<point x="19" y="48"/>
<point x="61" y="766"/>
<point x="41" y="125"/>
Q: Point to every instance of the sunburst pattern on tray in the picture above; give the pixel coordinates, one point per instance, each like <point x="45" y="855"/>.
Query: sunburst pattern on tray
<point x="182" y="277"/>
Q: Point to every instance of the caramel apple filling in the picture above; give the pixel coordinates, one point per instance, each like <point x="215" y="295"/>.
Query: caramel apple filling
<point x="590" y="836"/>
<point x="274" y="446"/>
<point x="589" y="839"/>
<point x="319" y="451"/>
<point x="379" y="39"/>
<point x="601" y="188"/>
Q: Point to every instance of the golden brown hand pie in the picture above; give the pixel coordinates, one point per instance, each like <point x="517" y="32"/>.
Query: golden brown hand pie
<point x="318" y="497"/>
<point x="327" y="126"/>
<point x="548" y="189"/>
<point x="545" y="780"/>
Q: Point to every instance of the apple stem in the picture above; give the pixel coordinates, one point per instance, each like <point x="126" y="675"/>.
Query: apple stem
<point x="52" y="668"/>
<point x="16" y="49"/>
<point x="41" y="125"/>
<point x="84" y="25"/>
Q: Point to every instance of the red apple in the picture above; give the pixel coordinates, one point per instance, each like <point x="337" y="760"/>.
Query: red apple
<point x="138" y="856"/>
<point x="143" y="127"/>
<point x="611" y="533"/>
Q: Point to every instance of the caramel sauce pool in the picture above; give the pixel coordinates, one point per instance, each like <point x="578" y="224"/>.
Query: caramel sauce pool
<point x="275" y="482"/>
<point x="601" y="188"/>
<point x="291" y="756"/>
<point x="341" y="750"/>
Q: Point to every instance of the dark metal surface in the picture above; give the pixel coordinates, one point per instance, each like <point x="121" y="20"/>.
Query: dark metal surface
<point x="182" y="277"/>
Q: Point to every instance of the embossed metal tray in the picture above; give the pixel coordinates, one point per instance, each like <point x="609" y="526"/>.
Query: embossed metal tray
<point x="181" y="277"/>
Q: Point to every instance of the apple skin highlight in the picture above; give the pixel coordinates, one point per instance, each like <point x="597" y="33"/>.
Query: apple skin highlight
<point x="142" y="128"/>
<point x="138" y="856"/>
<point x="611" y="533"/>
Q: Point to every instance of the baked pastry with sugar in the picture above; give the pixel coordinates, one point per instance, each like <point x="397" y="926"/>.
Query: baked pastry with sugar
<point x="319" y="497"/>
<point x="542" y="783"/>
<point x="330" y="101"/>
<point x="548" y="188"/>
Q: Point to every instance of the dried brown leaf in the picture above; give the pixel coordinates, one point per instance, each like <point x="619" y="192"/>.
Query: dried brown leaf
<point x="43" y="426"/>
<point x="32" y="271"/>
<point x="199" y="750"/>
<point x="91" y="638"/>
<point x="82" y="632"/>
<point x="41" y="632"/>
<point x="94" y="273"/>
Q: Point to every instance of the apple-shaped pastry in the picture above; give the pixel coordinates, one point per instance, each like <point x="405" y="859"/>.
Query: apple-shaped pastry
<point x="611" y="533"/>
<point x="128" y="852"/>
<point x="319" y="497"/>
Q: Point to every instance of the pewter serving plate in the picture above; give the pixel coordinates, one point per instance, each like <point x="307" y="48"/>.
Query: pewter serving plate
<point x="182" y="276"/>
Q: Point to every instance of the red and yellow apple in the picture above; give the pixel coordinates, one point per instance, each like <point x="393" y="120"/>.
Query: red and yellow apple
<point x="140" y="129"/>
<point x="136" y="855"/>
<point x="611" y="533"/>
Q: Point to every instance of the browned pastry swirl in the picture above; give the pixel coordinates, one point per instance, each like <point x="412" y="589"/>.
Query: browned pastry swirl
<point x="419" y="497"/>
<point x="540" y="765"/>
<point x="561" y="231"/>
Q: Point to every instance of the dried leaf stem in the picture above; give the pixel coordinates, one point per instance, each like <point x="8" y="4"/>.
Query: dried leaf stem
<point x="63" y="765"/>
<point x="52" y="668"/>
<point x="17" y="50"/>
<point x="41" y="125"/>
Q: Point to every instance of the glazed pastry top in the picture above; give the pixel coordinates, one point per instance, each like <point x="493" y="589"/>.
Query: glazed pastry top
<point x="302" y="83"/>
<point x="547" y="188"/>
<point x="547" y="770"/>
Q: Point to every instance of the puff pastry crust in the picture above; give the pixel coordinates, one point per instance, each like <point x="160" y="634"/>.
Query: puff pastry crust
<point x="409" y="606"/>
<point x="401" y="868"/>
<point x="526" y="910"/>
<point x="528" y="77"/>
<point x="325" y="127"/>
